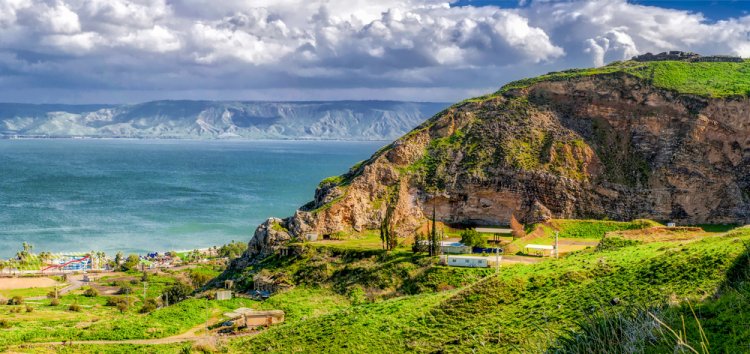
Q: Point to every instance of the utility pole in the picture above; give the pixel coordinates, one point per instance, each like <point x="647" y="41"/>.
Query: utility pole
<point x="497" y="259"/>
<point x="557" y="245"/>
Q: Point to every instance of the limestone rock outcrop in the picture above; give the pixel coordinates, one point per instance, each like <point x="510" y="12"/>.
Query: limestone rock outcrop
<point x="609" y="145"/>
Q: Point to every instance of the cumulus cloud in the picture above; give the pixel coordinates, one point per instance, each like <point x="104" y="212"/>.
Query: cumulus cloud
<point x="128" y="49"/>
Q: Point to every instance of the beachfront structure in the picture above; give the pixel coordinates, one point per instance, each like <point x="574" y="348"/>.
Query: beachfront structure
<point x="469" y="261"/>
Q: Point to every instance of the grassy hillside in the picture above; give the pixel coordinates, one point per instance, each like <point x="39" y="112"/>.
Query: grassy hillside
<point x="703" y="79"/>
<point x="535" y="307"/>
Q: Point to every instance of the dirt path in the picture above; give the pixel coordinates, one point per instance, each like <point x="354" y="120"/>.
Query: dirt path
<point x="188" y="336"/>
<point x="25" y="283"/>
<point x="521" y="259"/>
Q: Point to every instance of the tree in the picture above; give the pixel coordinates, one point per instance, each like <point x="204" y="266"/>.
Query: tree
<point x="420" y="244"/>
<point x="199" y="279"/>
<point x="387" y="234"/>
<point x="232" y="250"/>
<point x="516" y="228"/>
<point x="178" y="292"/>
<point x="472" y="238"/>
<point x="131" y="263"/>
<point x="118" y="259"/>
<point x="91" y="292"/>
<point x="434" y="241"/>
<point x="122" y="306"/>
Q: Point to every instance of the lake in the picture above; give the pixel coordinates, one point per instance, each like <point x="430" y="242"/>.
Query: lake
<point x="138" y="196"/>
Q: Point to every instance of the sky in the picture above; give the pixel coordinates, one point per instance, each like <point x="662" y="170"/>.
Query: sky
<point x="129" y="51"/>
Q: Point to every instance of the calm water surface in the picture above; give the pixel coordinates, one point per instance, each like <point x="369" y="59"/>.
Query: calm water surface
<point x="157" y="195"/>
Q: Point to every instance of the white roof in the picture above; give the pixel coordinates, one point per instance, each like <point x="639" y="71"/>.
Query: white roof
<point x="493" y="230"/>
<point x="540" y="247"/>
<point x="471" y="257"/>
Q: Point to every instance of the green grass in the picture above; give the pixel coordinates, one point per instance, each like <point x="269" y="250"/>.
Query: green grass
<point x="99" y="322"/>
<point x="526" y="307"/>
<point x="593" y="229"/>
<point x="28" y="292"/>
<point x="703" y="79"/>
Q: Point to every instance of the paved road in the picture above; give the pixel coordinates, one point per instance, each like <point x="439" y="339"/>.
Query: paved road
<point x="74" y="282"/>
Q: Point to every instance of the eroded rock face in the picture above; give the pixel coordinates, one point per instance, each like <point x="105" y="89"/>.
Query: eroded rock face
<point x="607" y="145"/>
<point x="268" y="237"/>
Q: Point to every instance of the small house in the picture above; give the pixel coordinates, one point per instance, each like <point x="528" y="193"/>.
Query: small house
<point x="469" y="261"/>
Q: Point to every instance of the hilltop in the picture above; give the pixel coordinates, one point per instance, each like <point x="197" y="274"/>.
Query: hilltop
<point x="336" y="120"/>
<point x="664" y="140"/>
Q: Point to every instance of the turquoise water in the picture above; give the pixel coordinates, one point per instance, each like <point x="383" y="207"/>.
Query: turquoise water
<point x="156" y="195"/>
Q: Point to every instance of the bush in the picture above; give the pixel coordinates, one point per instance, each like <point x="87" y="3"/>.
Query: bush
<point x="149" y="306"/>
<point x="472" y="238"/>
<point x="199" y="279"/>
<point x="91" y="292"/>
<point x="16" y="300"/>
<point x="614" y="243"/>
<point x="54" y="302"/>
<point x="122" y="306"/>
<point x="29" y="308"/>
<point x="4" y="323"/>
<point x="125" y="290"/>
<point x="356" y="295"/>
<point x="74" y="308"/>
<point x="177" y="293"/>
<point x="131" y="263"/>
<point x="115" y="300"/>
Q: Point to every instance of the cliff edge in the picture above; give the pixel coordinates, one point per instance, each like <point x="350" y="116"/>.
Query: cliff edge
<point x="665" y="140"/>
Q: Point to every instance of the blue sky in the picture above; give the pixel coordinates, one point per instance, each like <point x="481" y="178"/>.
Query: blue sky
<point x="127" y="51"/>
<point x="714" y="10"/>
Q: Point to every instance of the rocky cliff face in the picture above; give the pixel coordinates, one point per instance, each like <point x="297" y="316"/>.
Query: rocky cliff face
<point x="609" y="145"/>
<point x="601" y="146"/>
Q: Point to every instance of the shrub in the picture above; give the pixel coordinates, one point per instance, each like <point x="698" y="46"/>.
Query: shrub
<point x="29" y="308"/>
<point x="16" y="300"/>
<point x="122" y="306"/>
<point x="177" y="292"/>
<point x="91" y="292"/>
<point x="614" y="243"/>
<point x="472" y="238"/>
<point x="356" y="295"/>
<point x="54" y="302"/>
<point x="4" y="323"/>
<point x="74" y="308"/>
<point x="115" y="300"/>
<point x="131" y="263"/>
<point x="199" y="279"/>
<point x="125" y="290"/>
<point x="149" y="306"/>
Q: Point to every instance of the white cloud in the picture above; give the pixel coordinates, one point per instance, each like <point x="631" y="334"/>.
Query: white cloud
<point x="59" y="19"/>
<point x="356" y="46"/>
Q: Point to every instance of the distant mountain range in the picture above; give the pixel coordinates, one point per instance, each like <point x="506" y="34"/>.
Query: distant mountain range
<point x="340" y="120"/>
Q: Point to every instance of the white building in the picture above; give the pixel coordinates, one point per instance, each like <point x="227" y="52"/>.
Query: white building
<point x="469" y="261"/>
